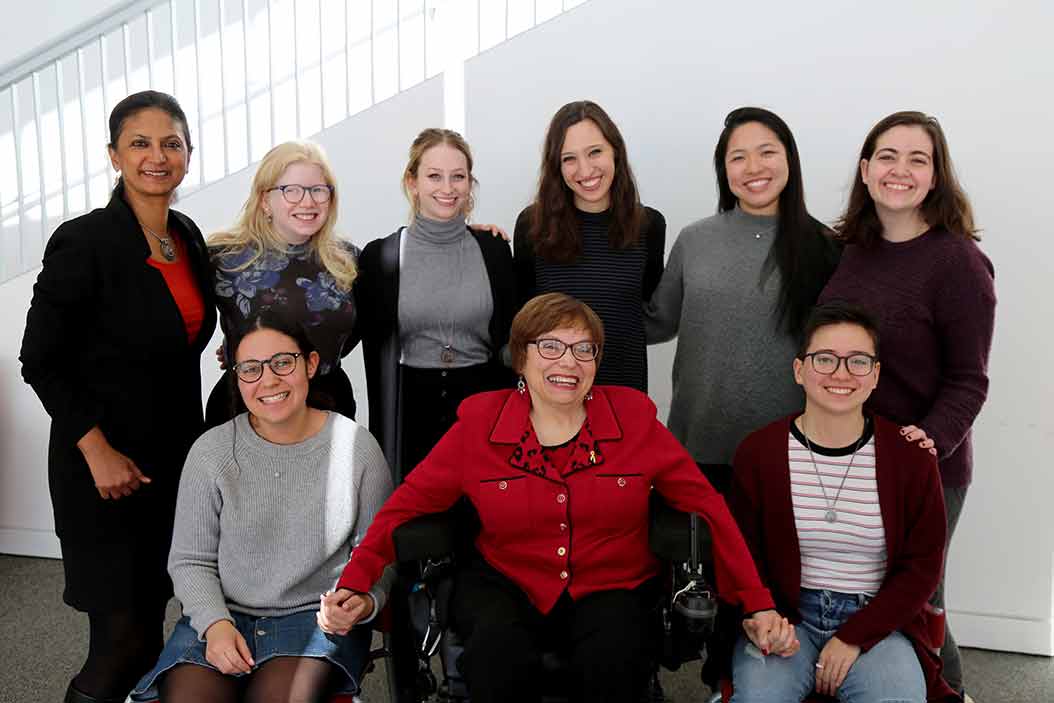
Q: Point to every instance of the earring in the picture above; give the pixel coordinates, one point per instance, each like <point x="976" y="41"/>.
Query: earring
<point x="589" y="395"/>
<point x="521" y="386"/>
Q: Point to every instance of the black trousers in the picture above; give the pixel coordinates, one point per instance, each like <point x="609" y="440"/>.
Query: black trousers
<point x="429" y="404"/>
<point x="608" y="639"/>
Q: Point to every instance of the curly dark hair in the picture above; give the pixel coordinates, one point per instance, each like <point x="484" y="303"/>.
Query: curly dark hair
<point x="554" y="231"/>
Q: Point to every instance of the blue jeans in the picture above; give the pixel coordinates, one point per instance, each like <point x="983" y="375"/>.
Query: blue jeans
<point x="889" y="672"/>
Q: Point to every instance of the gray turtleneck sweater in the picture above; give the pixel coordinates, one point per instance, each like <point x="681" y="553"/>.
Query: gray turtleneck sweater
<point x="444" y="295"/>
<point x="732" y="369"/>
<point x="264" y="528"/>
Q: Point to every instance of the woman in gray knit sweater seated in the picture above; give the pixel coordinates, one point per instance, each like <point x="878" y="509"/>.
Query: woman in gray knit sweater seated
<point x="270" y="505"/>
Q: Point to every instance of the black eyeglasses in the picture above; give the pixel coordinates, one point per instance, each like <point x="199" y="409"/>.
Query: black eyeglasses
<point x="294" y="193"/>
<point x="550" y="348"/>
<point x="827" y="363"/>
<point x="282" y="364"/>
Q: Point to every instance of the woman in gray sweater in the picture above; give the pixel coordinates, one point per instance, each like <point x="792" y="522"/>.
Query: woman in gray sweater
<point x="270" y="505"/>
<point x="736" y="289"/>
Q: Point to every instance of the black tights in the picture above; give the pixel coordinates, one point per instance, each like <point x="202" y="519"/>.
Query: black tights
<point x="278" y="680"/>
<point x="122" y="646"/>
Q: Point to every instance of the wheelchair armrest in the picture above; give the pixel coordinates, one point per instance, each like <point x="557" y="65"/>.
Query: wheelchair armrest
<point x="670" y="533"/>
<point x="426" y="537"/>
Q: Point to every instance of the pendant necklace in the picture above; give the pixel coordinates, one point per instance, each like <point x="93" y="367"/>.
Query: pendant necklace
<point x="761" y="232"/>
<point x="831" y="515"/>
<point x="446" y="354"/>
<point x="167" y="249"/>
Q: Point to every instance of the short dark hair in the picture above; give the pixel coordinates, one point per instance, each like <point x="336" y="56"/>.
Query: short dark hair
<point x="146" y="100"/>
<point x="837" y="312"/>
<point x="544" y="313"/>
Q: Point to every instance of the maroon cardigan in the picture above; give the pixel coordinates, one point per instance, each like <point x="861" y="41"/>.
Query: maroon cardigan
<point x="584" y="529"/>
<point x="912" y="506"/>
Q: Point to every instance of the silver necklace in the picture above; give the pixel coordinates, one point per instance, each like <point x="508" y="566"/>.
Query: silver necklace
<point x="167" y="249"/>
<point x="831" y="515"/>
<point x="446" y="354"/>
<point x="762" y="232"/>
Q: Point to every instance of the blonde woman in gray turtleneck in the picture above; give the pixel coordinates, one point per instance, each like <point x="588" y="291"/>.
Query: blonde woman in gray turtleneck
<point x="736" y="291"/>
<point x="435" y="301"/>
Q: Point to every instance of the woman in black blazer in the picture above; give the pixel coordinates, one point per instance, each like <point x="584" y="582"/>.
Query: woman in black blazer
<point x="435" y="303"/>
<point x="120" y="314"/>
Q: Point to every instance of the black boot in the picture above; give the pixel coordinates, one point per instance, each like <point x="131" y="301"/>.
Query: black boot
<point x="75" y="696"/>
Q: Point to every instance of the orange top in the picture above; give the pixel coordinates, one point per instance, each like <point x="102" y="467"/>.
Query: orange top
<point x="184" y="289"/>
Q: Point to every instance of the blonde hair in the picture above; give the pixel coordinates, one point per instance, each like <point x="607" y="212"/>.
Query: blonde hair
<point x="253" y="228"/>
<point x="433" y="136"/>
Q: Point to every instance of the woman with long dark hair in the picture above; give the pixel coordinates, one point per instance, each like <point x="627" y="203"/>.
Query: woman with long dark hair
<point x="120" y="314"/>
<point x="912" y="260"/>
<point x="588" y="235"/>
<point x="737" y="289"/>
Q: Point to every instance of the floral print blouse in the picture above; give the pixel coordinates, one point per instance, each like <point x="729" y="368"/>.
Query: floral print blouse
<point x="293" y="285"/>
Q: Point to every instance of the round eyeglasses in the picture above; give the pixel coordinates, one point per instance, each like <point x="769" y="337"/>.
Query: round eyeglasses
<point x="282" y="364"/>
<point x="294" y="193"/>
<point x="550" y="348"/>
<point x="827" y="363"/>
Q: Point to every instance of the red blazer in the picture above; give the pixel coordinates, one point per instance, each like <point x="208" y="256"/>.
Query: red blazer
<point x="585" y="530"/>
<point x="912" y="506"/>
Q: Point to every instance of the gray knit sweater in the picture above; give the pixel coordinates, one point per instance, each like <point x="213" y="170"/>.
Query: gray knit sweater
<point x="732" y="369"/>
<point x="268" y="534"/>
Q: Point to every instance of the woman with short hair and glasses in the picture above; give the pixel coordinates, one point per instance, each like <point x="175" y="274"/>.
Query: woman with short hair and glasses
<point x="283" y="256"/>
<point x="120" y="314"/>
<point x="912" y="259"/>
<point x="270" y="505"/>
<point x="560" y="473"/>
<point x="846" y="523"/>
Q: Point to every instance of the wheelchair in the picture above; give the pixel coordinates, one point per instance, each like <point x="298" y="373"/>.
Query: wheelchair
<point x="430" y="547"/>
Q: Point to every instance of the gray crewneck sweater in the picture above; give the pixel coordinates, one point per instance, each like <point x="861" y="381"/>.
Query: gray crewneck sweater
<point x="732" y="372"/>
<point x="444" y="295"/>
<point x="269" y="534"/>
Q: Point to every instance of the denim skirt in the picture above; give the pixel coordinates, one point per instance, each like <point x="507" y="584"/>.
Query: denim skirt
<point x="294" y="635"/>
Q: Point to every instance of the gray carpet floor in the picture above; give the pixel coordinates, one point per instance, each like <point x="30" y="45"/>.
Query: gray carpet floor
<point x="46" y="642"/>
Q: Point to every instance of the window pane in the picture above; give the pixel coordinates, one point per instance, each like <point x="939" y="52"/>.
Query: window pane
<point x="113" y="68"/>
<point x="385" y="50"/>
<point x="491" y="23"/>
<point x="186" y="87"/>
<point x="283" y="68"/>
<point x="334" y="67"/>
<point x="160" y="19"/>
<point x="73" y="135"/>
<point x="26" y="142"/>
<point x="138" y="60"/>
<point x="11" y="263"/>
<point x="411" y="43"/>
<point x="521" y="16"/>
<point x="210" y="84"/>
<point x="360" y="59"/>
<point x="310" y="79"/>
<point x="234" y="86"/>
<point x="258" y="68"/>
<point x="50" y="146"/>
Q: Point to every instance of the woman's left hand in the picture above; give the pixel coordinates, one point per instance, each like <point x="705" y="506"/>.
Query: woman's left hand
<point x="341" y="609"/>
<point x="494" y="230"/>
<point x="834" y="663"/>
<point x="913" y="433"/>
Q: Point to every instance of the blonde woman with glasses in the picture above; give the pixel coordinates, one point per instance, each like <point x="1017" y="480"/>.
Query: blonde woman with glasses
<point x="283" y="256"/>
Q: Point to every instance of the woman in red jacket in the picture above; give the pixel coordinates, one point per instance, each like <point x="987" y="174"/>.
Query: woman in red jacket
<point x="560" y="472"/>
<point x="846" y="522"/>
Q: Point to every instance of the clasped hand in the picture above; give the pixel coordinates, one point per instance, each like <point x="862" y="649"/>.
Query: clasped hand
<point x="342" y="609"/>
<point x="771" y="633"/>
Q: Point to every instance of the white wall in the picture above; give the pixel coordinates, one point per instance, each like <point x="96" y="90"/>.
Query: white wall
<point x="29" y="25"/>
<point x="368" y="153"/>
<point x="668" y="72"/>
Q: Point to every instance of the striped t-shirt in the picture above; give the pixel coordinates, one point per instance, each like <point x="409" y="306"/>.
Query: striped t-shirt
<point x="847" y="555"/>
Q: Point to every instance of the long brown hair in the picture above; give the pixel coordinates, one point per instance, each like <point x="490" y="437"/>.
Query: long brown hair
<point x="554" y="230"/>
<point x="945" y="206"/>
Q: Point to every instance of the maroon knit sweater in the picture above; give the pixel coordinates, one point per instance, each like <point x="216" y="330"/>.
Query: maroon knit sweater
<point x="934" y="298"/>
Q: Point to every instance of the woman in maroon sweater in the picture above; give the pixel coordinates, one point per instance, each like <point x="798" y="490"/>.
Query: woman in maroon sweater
<point x="845" y="521"/>
<point x="912" y="260"/>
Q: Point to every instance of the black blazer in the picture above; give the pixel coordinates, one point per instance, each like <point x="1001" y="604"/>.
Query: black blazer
<point x="377" y="302"/>
<point x="105" y="344"/>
